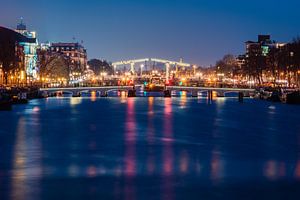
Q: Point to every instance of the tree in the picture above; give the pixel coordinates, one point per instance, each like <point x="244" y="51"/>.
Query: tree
<point x="53" y="63"/>
<point x="99" y="66"/>
<point x="227" y="65"/>
<point x="256" y="63"/>
<point x="294" y="59"/>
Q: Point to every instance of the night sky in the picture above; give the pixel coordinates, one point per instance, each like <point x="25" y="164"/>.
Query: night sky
<point x="199" y="31"/>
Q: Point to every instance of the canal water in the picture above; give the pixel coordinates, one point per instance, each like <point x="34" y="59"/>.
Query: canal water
<point x="150" y="148"/>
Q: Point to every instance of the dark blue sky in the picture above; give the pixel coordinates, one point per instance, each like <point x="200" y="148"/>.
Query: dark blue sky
<point x="199" y="31"/>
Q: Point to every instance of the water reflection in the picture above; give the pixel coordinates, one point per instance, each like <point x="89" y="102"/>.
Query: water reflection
<point x="150" y="137"/>
<point x="93" y="96"/>
<point x="217" y="167"/>
<point x="270" y="170"/>
<point x="75" y="101"/>
<point x="168" y="157"/>
<point x="168" y="139"/>
<point x="27" y="170"/>
<point x="297" y="170"/>
<point x="130" y="150"/>
<point x="183" y="99"/>
<point x="148" y="148"/>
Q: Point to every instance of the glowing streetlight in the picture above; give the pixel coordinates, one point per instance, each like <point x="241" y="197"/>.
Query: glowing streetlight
<point x="142" y="66"/>
<point x="194" y="67"/>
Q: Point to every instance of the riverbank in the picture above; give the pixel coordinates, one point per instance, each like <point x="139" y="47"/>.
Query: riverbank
<point x="289" y="96"/>
<point x="17" y="95"/>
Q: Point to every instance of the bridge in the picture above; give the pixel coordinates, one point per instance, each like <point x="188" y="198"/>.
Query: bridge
<point x="194" y="90"/>
<point x="78" y="90"/>
<point x="167" y="63"/>
<point x="220" y="91"/>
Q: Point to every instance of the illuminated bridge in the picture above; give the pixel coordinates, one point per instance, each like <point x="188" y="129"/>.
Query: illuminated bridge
<point x="78" y="90"/>
<point x="193" y="90"/>
<point x="167" y="63"/>
<point x="220" y="91"/>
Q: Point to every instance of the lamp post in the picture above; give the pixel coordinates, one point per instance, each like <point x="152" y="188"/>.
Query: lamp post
<point x="194" y="67"/>
<point x="142" y="66"/>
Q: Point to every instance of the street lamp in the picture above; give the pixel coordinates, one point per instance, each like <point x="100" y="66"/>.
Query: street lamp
<point x="142" y="66"/>
<point x="194" y="67"/>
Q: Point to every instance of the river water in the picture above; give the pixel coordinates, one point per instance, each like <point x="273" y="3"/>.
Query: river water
<point x="150" y="148"/>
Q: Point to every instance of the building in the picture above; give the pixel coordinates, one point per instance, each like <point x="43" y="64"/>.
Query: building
<point x="12" y="57"/>
<point x="30" y="51"/>
<point x="262" y="46"/>
<point x="75" y="51"/>
<point x="257" y="58"/>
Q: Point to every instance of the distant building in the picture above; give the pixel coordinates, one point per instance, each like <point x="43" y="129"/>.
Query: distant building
<point x="262" y="46"/>
<point x="30" y="51"/>
<point x="241" y="60"/>
<point x="75" y="51"/>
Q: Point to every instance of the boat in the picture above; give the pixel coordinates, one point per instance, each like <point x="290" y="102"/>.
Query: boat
<point x="167" y="94"/>
<point x="103" y="94"/>
<point x="270" y="94"/>
<point x="293" y="97"/>
<point x="131" y="93"/>
<point x="154" y="88"/>
<point x="5" y="105"/>
<point x="21" y="98"/>
<point x="5" y="102"/>
<point x="275" y="96"/>
<point x="156" y="84"/>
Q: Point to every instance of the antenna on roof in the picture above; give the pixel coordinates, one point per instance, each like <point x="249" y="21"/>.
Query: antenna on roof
<point x="21" y="26"/>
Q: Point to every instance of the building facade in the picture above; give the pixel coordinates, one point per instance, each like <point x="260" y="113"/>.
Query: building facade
<point x="12" y="57"/>
<point x="75" y="52"/>
<point x="30" y="51"/>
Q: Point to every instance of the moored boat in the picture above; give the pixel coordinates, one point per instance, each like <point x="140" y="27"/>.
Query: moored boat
<point x="5" y="102"/>
<point x="293" y="97"/>
<point x="154" y="88"/>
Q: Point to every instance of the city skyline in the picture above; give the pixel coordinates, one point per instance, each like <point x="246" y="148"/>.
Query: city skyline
<point x="200" y="32"/>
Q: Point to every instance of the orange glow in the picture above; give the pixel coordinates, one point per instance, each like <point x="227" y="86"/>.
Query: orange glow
<point x="297" y="171"/>
<point x="92" y="171"/>
<point x="270" y="169"/>
<point x="215" y="94"/>
<point x="93" y="95"/>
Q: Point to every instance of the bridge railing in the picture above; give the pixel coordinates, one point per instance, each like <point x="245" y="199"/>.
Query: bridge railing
<point x="210" y="88"/>
<point x="86" y="88"/>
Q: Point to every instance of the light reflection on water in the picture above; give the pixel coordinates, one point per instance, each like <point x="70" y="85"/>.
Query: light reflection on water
<point x="146" y="148"/>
